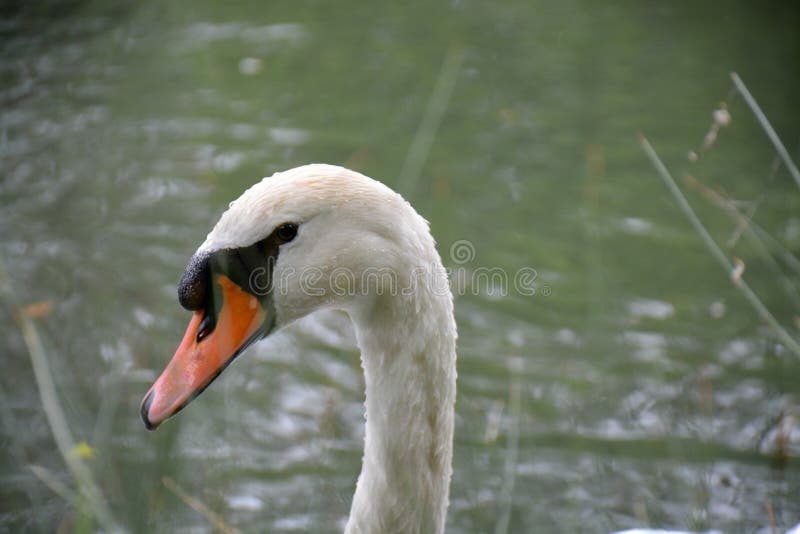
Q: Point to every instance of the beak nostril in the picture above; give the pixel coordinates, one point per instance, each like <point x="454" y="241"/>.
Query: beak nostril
<point x="205" y="328"/>
<point x="145" y="410"/>
<point x="212" y="340"/>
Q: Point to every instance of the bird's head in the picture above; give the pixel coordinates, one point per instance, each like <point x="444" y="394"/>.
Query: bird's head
<point x="298" y="241"/>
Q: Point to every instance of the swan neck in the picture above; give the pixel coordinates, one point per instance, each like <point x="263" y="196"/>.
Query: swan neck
<point x="408" y="354"/>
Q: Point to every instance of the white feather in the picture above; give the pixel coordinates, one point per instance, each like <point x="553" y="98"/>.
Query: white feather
<point x="355" y="229"/>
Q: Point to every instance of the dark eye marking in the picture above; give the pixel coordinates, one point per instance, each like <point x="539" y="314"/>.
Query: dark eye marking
<point x="198" y="289"/>
<point x="286" y="232"/>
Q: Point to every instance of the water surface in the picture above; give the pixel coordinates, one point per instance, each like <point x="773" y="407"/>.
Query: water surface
<point x="634" y="388"/>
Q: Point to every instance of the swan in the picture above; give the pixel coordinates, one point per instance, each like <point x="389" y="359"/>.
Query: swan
<point x="320" y="237"/>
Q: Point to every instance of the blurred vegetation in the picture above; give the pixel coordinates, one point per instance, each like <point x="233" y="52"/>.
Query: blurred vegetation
<point x="648" y="391"/>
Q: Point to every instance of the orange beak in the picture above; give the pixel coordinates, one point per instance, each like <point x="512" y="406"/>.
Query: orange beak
<point x="197" y="363"/>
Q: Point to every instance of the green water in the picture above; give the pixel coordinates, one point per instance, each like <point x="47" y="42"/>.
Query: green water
<point x="636" y="387"/>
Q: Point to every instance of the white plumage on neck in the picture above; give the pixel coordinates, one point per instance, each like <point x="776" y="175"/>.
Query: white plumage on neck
<point x="408" y="354"/>
<point x="399" y="300"/>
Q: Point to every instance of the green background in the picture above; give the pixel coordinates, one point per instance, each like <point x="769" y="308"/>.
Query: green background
<point x="648" y="393"/>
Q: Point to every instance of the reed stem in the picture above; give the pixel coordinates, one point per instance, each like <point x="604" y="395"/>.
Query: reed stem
<point x="716" y="252"/>
<point x="426" y="132"/>
<point x="506" y="497"/>
<point x="770" y="131"/>
<point x="54" y="414"/>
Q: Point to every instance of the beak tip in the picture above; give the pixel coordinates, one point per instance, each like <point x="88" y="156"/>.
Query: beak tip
<point x="145" y="411"/>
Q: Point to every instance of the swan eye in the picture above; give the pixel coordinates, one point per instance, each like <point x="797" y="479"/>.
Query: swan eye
<point x="286" y="232"/>
<point x="206" y="326"/>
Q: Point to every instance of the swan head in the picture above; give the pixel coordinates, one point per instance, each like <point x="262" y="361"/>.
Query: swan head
<point x="298" y="241"/>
